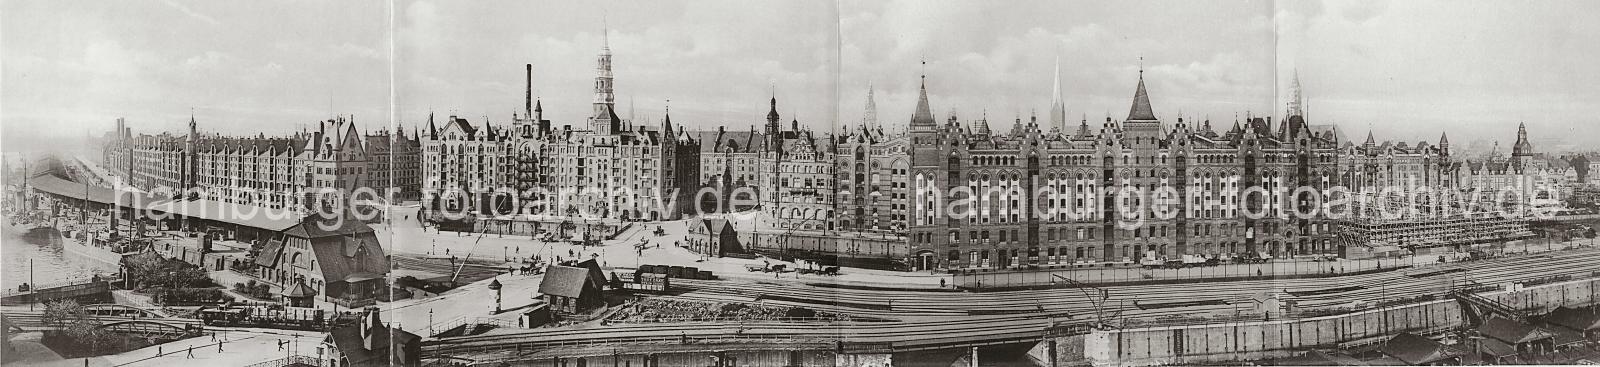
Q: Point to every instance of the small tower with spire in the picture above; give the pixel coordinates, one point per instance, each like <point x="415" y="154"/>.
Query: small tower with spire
<point x="869" y="118"/>
<point x="1058" y="107"/>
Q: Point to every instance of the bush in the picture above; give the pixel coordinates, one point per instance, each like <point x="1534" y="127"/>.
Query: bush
<point x="189" y="296"/>
<point x="800" y="313"/>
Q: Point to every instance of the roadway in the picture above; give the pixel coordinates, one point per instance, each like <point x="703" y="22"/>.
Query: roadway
<point x="929" y="320"/>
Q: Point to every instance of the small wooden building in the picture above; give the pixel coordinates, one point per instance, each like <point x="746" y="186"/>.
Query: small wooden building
<point x="574" y="288"/>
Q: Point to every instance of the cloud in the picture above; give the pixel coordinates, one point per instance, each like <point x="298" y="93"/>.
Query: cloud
<point x="186" y="11"/>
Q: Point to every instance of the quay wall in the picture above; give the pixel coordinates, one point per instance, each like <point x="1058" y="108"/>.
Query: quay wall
<point x="1244" y="341"/>
<point x="766" y="358"/>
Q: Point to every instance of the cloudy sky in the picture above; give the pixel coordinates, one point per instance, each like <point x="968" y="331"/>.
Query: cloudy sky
<point x="1406" y="70"/>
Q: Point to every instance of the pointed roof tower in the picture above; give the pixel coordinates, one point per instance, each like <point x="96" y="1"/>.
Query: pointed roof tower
<point x="1296" y="100"/>
<point x="666" y="120"/>
<point x="1522" y="147"/>
<point x="1371" y="142"/>
<point x="1141" y="110"/>
<point x="1058" y="108"/>
<point x="869" y="118"/>
<point x="923" y="115"/>
<point x="433" y="132"/>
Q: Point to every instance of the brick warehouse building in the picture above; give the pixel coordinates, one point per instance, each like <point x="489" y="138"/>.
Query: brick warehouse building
<point x="1141" y="151"/>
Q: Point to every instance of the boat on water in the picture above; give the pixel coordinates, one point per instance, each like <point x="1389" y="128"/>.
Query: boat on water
<point x="88" y="251"/>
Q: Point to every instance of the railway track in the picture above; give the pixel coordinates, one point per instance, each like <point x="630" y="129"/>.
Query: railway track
<point x="927" y="320"/>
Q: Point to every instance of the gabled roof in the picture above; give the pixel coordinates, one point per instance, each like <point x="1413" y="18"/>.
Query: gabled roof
<point x="300" y="290"/>
<point x="716" y="225"/>
<point x="1414" y="349"/>
<point x="1575" y="318"/>
<point x="315" y="227"/>
<point x="564" y="281"/>
<point x="339" y="259"/>
<point x="348" y="340"/>
<point x="269" y="254"/>
<point x="1513" y="332"/>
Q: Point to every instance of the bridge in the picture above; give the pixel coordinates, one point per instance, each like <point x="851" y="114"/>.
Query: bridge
<point x="160" y="329"/>
<point x="928" y="320"/>
<point x="25" y="321"/>
<point x="115" y="309"/>
<point x="85" y="291"/>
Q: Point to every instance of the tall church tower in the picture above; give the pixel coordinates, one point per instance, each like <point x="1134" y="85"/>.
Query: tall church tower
<point x="605" y="119"/>
<point x="1058" y="108"/>
<point x="1296" y="105"/>
<point x="869" y="120"/>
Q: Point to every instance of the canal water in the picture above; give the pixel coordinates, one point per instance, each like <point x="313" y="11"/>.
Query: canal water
<point x="50" y="264"/>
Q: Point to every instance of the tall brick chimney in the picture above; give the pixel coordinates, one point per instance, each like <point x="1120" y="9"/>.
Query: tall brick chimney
<point x="527" y="96"/>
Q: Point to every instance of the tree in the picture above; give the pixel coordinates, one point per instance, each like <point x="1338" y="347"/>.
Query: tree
<point x="75" y="323"/>
<point x="62" y="312"/>
<point x="1589" y="234"/>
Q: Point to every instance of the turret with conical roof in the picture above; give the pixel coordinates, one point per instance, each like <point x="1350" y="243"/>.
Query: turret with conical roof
<point x="923" y="117"/>
<point x="1522" y="147"/>
<point x="1141" y="110"/>
<point x="773" y="128"/>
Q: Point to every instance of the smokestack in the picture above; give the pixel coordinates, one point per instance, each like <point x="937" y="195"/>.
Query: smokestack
<point x="527" y="96"/>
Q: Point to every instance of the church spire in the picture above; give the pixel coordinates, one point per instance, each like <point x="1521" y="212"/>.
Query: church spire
<point x="604" y="120"/>
<point x="1296" y="100"/>
<point x="869" y="119"/>
<point x="1058" y="108"/>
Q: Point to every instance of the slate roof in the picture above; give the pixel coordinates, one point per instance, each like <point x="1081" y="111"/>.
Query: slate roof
<point x="923" y="114"/>
<point x="1513" y="332"/>
<point x="1414" y="349"/>
<point x="564" y="281"/>
<point x="313" y="227"/>
<point x="348" y="340"/>
<point x="1575" y="318"/>
<point x="716" y="225"/>
<point x="300" y="290"/>
<point x="337" y="258"/>
<point x="270" y="253"/>
<point x="1141" y="110"/>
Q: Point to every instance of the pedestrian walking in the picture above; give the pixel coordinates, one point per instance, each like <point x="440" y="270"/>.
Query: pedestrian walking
<point x="219" y="347"/>
<point x="941" y="283"/>
<point x="191" y="352"/>
<point x="158" y="351"/>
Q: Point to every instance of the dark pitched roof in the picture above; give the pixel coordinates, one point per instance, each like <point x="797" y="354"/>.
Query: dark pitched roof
<point x="564" y="281"/>
<point x="269" y="254"/>
<point x="1414" y="349"/>
<point x="339" y="261"/>
<point x="1496" y="348"/>
<point x="923" y="114"/>
<point x="300" y="290"/>
<point x="315" y="227"/>
<point x="1141" y="110"/>
<point x="716" y="225"/>
<point x="348" y="340"/>
<point x="597" y="277"/>
<point x="1575" y="318"/>
<point x="1513" y="332"/>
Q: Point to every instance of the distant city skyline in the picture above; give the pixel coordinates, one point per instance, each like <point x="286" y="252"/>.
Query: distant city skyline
<point x="1407" y="71"/>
